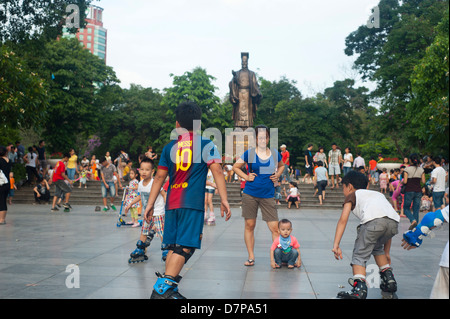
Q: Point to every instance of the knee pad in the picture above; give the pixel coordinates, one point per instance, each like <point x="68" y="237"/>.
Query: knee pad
<point x="430" y="220"/>
<point x="179" y="250"/>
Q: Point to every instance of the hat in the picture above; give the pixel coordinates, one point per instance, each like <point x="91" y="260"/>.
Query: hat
<point x="283" y="146"/>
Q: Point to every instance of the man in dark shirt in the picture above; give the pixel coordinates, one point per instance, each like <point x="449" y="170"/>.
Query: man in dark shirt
<point x="308" y="163"/>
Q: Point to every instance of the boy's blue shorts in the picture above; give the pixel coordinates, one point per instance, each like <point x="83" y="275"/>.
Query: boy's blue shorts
<point x="184" y="227"/>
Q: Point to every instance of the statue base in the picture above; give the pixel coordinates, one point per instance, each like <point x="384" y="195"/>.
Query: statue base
<point x="237" y="142"/>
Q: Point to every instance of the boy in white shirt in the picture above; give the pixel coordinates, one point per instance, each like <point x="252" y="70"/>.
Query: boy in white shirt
<point x="375" y="213"/>
<point x="147" y="232"/>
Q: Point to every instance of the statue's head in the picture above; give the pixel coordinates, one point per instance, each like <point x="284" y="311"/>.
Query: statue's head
<point x="244" y="58"/>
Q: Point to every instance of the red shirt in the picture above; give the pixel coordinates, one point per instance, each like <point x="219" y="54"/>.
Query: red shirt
<point x="373" y="164"/>
<point x="276" y="243"/>
<point x="59" y="170"/>
<point x="285" y="157"/>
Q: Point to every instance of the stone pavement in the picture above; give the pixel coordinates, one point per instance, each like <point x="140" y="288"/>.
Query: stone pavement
<point x="36" y="246"/>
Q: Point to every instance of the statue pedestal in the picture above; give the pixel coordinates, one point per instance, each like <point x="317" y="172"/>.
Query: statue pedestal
<point x="237" y="142"/>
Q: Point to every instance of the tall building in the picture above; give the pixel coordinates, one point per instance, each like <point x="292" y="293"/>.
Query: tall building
<point x="93" y="36"/>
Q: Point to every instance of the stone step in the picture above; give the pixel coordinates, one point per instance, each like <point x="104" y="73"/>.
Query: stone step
<point x="92" y="196"/>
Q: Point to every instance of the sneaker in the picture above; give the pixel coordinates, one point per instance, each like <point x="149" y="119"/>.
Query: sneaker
<point x="113" y="207"/>
<point x="54" y="209"/>
<point x="105" y="209"/>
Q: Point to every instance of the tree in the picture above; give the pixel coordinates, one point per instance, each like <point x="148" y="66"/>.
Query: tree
<point x="21" y="21"/>
<point x="75" y="76"/>
<point x="131" y="121"/>
<point x="196" y="86"/>
<point x="23" y="93"/>
<point x="387" y="56"/>
<point x="428" y="110"/>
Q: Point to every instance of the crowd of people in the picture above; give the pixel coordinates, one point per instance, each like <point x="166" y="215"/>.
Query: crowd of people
<point x="174" y="204"/>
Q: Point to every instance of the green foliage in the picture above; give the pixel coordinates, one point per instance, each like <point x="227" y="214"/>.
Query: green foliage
<point x="388" y="56"/>
<point x="428" y="110"/>
<point x="21" y="21"/>
<point x="74" y="75"/>
<point x="134" y="121"/>
<point x="23" y="93"/>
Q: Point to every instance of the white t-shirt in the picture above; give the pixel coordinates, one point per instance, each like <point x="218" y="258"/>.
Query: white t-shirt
<point x="348" y="157"/>
<point x="210" y="178"/>
<point x="444" y="258"/>
<point x="439" y="173"/>
<point x="293" y="191"/>
<point x="144" y="191"/>
<point x="368" y="205"/>
<point x="31" y="161"/>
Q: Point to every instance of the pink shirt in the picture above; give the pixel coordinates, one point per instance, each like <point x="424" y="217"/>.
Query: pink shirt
<point x="294" y="243"/>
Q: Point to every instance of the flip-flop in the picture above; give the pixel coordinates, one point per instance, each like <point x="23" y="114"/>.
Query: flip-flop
<point x="249" y="263"/>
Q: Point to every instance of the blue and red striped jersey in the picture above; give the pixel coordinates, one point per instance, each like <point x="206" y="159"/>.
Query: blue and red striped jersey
<point x="187" y="160"/>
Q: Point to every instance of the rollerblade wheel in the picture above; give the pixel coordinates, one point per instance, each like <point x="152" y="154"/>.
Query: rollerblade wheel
<point x="388" y="295"/>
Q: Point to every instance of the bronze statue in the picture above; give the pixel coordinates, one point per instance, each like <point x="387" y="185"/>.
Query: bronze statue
<point x="244" y="95"/>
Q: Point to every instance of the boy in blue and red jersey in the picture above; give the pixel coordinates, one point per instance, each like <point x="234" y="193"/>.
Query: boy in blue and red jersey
<point x="186" y="162"/>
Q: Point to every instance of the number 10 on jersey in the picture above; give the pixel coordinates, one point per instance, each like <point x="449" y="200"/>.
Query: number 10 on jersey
<point x="184" y="159"/>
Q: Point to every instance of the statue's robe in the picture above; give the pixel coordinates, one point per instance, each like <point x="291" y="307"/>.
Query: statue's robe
<point x="245" y="97"/>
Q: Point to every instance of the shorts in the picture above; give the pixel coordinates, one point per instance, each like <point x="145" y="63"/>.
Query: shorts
<point x="334" y="169"/>
<point x="293" y="199"/>
<point x="43" y="164"/>
<point x="371" y="237"/>
<point x="184" y="227"/>
<point x="111" y="190"/>
<point x="158" y="222"/>
<point x="11" y="193"/>
<point x="251" y="204"/>
<point x="438" y="199"/>
<point x="321" y="185"/>
<point x="309" y="170"/>
<point x="210" y="190"/>
<point x="61" y="188"/>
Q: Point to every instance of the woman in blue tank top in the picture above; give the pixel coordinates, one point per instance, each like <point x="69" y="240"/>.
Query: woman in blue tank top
<point x="264" y="170"/>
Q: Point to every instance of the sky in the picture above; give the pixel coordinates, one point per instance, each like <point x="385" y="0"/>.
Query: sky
<point x="302" y="40"/>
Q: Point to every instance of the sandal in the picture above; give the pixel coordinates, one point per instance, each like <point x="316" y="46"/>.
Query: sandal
<point x="249" y="262"/>
<point x="413" y="225"/>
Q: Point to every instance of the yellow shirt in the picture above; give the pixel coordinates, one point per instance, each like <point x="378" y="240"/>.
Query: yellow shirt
<point x="126" y="170"/>
<point x="72" y="163"/>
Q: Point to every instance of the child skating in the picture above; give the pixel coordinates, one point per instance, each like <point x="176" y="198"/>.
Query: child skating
<point x="375" y="212"/>
<point x="186" y="162"/>
<point x="157" y="220"/>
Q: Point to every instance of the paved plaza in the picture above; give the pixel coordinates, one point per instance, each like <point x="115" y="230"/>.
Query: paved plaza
<point x="37" y="246"/>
